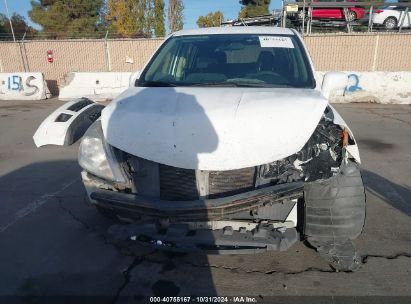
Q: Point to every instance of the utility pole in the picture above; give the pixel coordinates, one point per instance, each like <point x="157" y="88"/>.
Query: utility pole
<point x="302" y="28"/>
<point x="8" y="16"/>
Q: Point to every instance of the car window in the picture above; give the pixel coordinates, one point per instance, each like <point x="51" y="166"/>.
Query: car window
<point x="395" y="8"/>
<point x="232" y="60"/>
<point x="399" y="8"/>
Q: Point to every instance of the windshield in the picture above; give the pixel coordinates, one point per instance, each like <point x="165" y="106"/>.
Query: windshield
<point x="247" y="60"/>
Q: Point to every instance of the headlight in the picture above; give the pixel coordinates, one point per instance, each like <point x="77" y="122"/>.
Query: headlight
<point x="97" y="157"/>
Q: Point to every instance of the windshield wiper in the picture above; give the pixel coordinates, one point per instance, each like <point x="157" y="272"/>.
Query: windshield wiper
<point x="214" y="84"/>
<point x="265" y="85"/>
<point x="157" y="84"/>
<point x="251" y="83"/>
<point x="240" y="84"/>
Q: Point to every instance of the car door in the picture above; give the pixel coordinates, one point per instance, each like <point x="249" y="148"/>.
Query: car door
<point x="327" y="12"/>
<point x="400" y="12"/>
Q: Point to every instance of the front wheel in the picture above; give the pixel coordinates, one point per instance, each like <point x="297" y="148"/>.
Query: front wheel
<point x="390" y="23"/>
<point x="351" y="16"/>
<point x="334" y="216"/>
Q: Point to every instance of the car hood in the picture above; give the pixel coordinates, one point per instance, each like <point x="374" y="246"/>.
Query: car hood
<point x="212" y="128"/>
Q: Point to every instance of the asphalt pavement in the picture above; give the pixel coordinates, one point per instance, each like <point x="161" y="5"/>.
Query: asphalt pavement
<point x="52" y="242"/>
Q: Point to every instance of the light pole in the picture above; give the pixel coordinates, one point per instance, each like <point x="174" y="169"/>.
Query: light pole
<point x="8" y="16"/>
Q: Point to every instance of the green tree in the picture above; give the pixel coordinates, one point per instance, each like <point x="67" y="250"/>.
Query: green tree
<point x="159" y="26"/>
<point x="62" y="18"/>
<point x="136" y="18"/>
<point x="175" y="15"/>
<point x="20" y="27"/>
<point x="3" y="26"/>
<point x="212" y="19"/>
<point x="127" y="17"/>
<point x="253" y="8"/>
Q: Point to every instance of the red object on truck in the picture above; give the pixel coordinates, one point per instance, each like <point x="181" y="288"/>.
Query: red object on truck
<point x="337" y="12"/>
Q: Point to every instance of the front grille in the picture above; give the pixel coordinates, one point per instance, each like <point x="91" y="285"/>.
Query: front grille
<point x="224" y="183"/>
<point x="177" y="184"/>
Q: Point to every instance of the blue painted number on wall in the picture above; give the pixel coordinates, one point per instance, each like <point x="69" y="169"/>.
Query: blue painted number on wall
<point x="14" y="82"/>
<point x="354" y="81"/>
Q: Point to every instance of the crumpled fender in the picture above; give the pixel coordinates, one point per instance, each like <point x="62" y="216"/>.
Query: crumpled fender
<point x="68" y="123"/>
<point x="351" y="149"/>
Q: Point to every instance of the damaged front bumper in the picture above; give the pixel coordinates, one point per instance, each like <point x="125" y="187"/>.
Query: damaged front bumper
<point x="180" y="238"/>
<point x="208" y="225"/>
<point x="206" y="209"/>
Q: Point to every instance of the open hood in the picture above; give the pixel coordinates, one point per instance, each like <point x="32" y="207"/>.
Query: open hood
<point x="212" y="128"/>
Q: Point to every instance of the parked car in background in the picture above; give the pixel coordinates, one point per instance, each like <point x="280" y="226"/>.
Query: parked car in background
<point x="391" y="16"/>
<point x="354" y="13"/>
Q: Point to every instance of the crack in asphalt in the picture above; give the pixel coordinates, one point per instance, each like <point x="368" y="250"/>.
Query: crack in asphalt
<point x="127" y="277"/>
<point x="389" y="116"/>
<point x="137" y="260"/>
<point x="127" y="274"/>
<point x="35" y="204"/>
<point x="239" y="269"/>
<point x="74" y="217"/>
<point x="270" y="272"/>
<point x="364" y="258"/>
<point x="82" y="222"/>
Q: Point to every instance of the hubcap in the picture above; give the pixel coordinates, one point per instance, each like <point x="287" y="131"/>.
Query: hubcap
<point x="390" y="23"/>
<point x="351" y="16"/>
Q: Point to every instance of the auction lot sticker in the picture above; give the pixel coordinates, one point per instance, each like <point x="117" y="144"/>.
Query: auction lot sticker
<point x="276" y="42"/>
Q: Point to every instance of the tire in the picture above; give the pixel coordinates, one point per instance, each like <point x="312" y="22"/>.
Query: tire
<point x="335" y="207"/>
<point x="334" y="215"/>
<point x="390" y="23"/>
<point x="351" y="16"/>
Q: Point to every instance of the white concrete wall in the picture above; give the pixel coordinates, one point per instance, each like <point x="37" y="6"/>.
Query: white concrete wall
<point x="96" y="86"/>
<point x="23" y="86"/>
<point x="378" y="87"/>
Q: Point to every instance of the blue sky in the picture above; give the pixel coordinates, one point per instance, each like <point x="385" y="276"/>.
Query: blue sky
<point x="193" y="9"/>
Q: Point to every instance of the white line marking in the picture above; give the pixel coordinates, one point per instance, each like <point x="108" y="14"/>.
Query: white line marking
<point x="33" y="206"/>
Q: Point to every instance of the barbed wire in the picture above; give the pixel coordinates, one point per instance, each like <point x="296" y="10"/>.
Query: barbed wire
<point x="57" y="36"/>
<point x="79" y="35"/>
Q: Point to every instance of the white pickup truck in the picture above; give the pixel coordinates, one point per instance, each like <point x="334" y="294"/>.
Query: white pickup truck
<point x="225" y="143"/>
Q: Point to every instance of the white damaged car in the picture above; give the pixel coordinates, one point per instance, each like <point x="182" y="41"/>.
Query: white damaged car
<point x="225" y="143"/>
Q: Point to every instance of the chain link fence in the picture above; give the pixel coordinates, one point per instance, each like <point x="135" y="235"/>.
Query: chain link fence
<point x="341" y="52"/>
<point x="75" y="55"/>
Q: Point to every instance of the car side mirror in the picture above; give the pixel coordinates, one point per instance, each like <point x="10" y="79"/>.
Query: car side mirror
<point x="333" y="81"/>
<point x="133" y="78"/>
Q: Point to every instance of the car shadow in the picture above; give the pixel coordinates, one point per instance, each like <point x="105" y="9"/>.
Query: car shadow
<point x="55" y="243"/>
<point x="398" y="196"/>
<point x="171" y="130"/>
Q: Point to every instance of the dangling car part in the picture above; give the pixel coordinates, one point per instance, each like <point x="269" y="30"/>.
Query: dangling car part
<point x="68" y="123"/>
<point x="226" y="144"/>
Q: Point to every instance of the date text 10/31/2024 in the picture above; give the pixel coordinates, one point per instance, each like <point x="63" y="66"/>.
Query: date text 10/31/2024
<point x="198" y="299"/>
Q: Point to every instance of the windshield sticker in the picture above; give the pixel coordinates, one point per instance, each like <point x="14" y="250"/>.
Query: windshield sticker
<point x="276" y="42"/>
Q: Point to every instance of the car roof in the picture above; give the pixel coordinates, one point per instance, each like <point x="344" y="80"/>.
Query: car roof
<point x="260" y="30"/>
